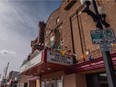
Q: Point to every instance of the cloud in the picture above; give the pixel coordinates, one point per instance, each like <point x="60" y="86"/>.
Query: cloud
<point x="4" y="52"/>
<point x="8" y="52"/>
<point x="18" y="26"/>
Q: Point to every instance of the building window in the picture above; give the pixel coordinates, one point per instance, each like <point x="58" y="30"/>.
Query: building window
<point x="57" y="20"/>
<point x="46" y="43"/>
<point x="57" y="38"/>
<point x="47" y="84"/>
<point x="53" y="83"/>
<point x="69" y="4"/>
<point x="102" y="77"/>
<point x="25" y="84"/>
<point x="60" y="83"/>
<point x="42" y="84"/>
<point x="47" y="33"/>
<point x="52" y="41"/>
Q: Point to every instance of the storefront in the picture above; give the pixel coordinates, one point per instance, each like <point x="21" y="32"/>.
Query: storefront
<point x="52" y="79"/>
<point x="56" y="70"/>
<point x="34" y="81"/>
<point x="46" y="68"/>
<point x="94" y="71"/>
<point x="97" y="80"/>
<point x="57" y="82"/>
<point x="68" y="30"/>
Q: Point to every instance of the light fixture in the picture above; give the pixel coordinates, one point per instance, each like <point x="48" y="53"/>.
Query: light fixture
<point x="87" y="52"/>
<point x="42" y="70"/>
<point x="101" y="16"/>
<point x="86" y="4"/>
<point x="75" y="55"/>
<point x="60" y="27"/>
<point x="48" y="68"/>
<point x="35" y="73"/>
<point x="112" y="44"/>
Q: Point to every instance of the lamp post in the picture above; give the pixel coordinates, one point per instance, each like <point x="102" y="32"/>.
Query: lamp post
<point x="106" y="57"/>
<point x="110" y="72"/>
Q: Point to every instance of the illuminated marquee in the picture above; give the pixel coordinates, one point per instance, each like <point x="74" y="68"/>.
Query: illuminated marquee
<point x="34" y="61"/>
<point x="58" y="58"/>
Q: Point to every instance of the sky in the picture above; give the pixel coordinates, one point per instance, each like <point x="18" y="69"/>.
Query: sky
<point x="18" y="26"/>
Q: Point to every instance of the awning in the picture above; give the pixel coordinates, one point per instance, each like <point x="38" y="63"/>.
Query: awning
<point x="45" y="62"/>
<point x="92" y="65"/>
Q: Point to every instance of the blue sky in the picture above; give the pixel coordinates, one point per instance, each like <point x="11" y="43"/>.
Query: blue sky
<point x="18" y="26"/>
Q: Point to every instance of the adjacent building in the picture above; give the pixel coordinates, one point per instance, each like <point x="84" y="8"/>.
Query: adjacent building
<point x="23" y="81"/>
<point x="13" y="79"/>
<point x="64" y="56"/>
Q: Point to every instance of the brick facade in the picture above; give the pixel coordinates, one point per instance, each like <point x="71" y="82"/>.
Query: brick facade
<point x="75" y="28"/>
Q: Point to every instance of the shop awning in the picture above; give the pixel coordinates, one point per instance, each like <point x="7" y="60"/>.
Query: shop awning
<point x="45" y="62"/>
<point x="92" y="65"/>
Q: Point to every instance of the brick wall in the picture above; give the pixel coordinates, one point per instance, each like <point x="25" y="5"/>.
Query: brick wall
<point x="75" y="22"/>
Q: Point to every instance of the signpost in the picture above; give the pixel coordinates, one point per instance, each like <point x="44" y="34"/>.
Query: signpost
<point x="96" y="36"/>
<point x="104" y="40"/>
<point x="103" y="37"/>
<point x="106" y="47"/>
<point x="109" y="36"/>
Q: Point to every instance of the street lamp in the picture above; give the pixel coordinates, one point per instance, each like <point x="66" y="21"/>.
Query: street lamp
<point x="100" y="21"/>
<point x="95" y="16"/>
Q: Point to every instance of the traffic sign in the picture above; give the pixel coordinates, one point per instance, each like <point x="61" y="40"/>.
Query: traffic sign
<point x="105" y="47"/>
<point x="109" y="36"/>
<point x="103" y="36"/>
<point x="96" y="36"/>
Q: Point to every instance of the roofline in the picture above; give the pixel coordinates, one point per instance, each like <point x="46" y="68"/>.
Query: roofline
<point x="54" y="12"/>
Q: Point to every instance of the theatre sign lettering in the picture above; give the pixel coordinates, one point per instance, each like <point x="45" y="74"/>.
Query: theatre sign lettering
<point x="58" y="58"/>
<point x="50" y="57"/>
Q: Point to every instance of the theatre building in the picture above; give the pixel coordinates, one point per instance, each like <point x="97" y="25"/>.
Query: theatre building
<point x="63" y="54"/>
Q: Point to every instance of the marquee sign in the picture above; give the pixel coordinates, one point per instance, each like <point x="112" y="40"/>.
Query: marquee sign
<point x="58" y="58"/>
<point x="34" y="61"/>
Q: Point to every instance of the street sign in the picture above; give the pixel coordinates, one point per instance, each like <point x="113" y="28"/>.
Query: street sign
<point x="109" y="36"/>
<point x="105" y="47"/>
<point x="97" y="36"/>
<point x="103" y="36"/>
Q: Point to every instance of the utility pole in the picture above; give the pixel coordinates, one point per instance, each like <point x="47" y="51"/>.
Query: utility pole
<point x="110" y="72"/>
<point x="100" y="22"/>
